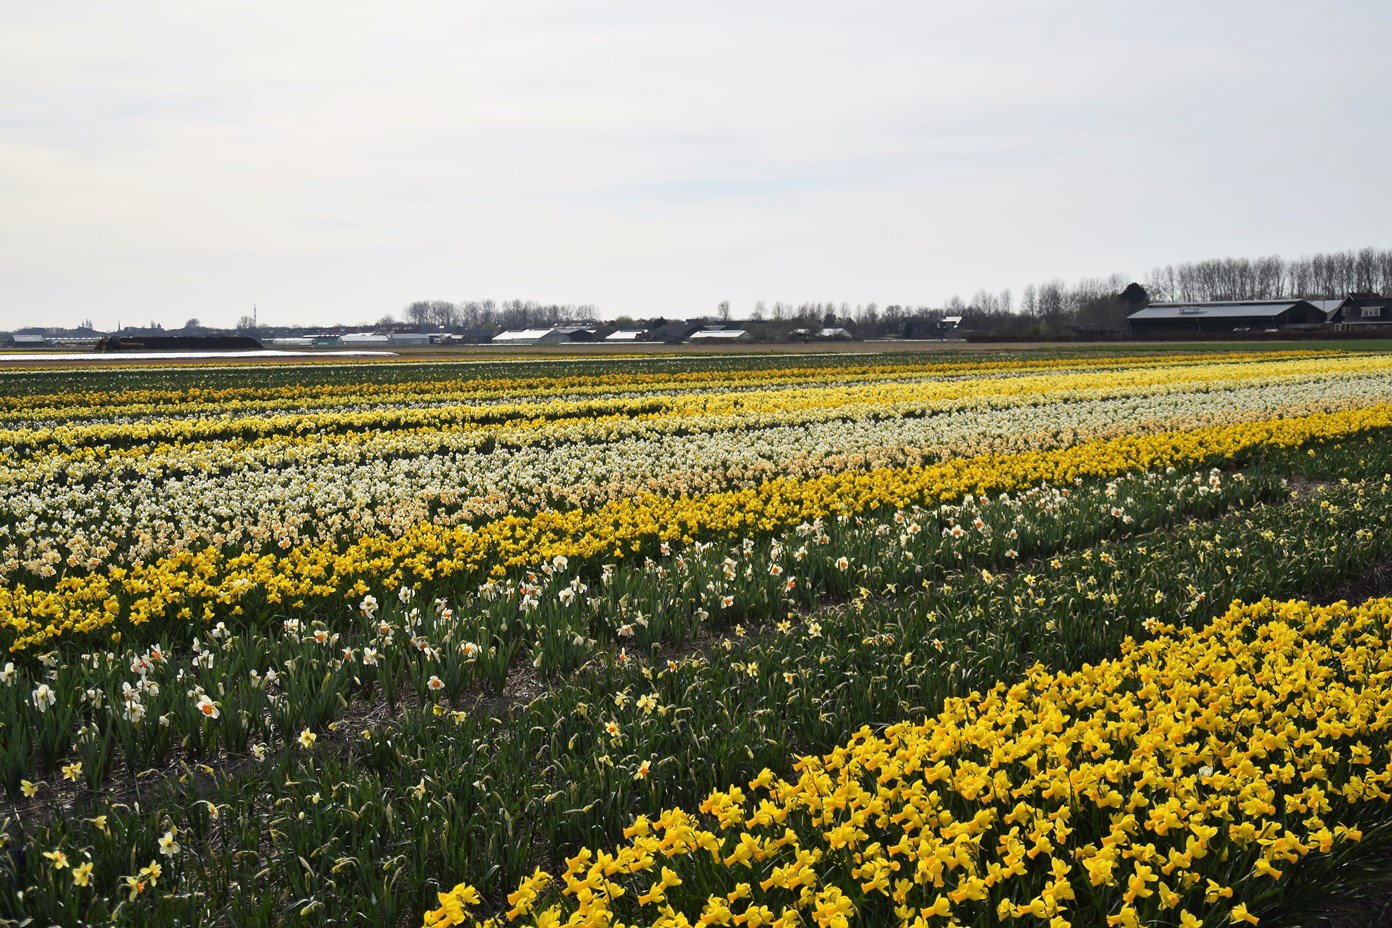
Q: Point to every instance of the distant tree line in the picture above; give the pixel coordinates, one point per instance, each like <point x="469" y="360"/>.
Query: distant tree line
<point x="1099" y="306"/>
<point x="508" y="314"/>
<point x="1091" y="307"/>
<point x="1322" y="276"/>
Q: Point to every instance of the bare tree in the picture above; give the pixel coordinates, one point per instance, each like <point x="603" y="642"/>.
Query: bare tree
<point x="1051" y="303"/>
<point x="1365" y="271"/>
<point x="1029" y="303"/>
<point x="444" y="314"/>
<point x="1269" y="277"/>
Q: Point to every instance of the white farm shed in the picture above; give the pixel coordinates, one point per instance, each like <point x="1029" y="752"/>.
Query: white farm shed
<point x="721" y="335"/>
<point x="530" y="337"/>
<point x="365" y="340"/>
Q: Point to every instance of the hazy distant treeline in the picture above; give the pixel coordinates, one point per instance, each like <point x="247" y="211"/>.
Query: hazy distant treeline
<point x="1101" y="304"/>
<point x="1091" y="305"/>
<point x="509" y="314"/>
<point x="1322" y="276"/>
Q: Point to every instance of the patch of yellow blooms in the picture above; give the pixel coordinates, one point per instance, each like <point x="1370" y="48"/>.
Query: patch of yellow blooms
<point x="604" y="380"/>
<point x="1177" y="784"/>
<point x="210" y="582"/>
<point x="177" y="424"/>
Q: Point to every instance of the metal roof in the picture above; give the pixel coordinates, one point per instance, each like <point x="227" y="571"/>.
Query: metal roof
<point x="719" y="333"/>
<point x="1272" y="308"/>
<point x="517" y="335"/>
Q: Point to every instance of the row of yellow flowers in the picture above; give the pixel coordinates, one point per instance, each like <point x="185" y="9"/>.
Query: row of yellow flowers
<point x="142" y="400"/>
<point x="209" y="582"/>
<point x="594" y="412"/>
<point x="1179" y="784"/>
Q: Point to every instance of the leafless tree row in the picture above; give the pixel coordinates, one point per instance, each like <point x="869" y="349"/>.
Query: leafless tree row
<point x="1320" y="276"/>
<point x="509" y="314"/>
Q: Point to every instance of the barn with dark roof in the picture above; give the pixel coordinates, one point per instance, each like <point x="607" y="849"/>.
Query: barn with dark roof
<point x="1224" y="317"/>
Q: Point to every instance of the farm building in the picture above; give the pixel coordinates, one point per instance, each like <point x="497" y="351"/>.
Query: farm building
<point x="365" y="340"/>
<point x="718" y="336"/>
<point x="624" y="335"/>
<point x="475" y="336"/>
<point x="408" y="339"/>
<point x="1363" y="310"/>
<point x="579" y="333"/>
<point x="531" y="337"/>
<point x="1224" y="317"/>
<point x="1329" y="307"/>
<point x="829" y="334"/>
<point x="672" y="332"/>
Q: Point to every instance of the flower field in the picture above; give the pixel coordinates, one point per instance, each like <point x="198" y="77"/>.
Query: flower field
<point x="822" y="639"/>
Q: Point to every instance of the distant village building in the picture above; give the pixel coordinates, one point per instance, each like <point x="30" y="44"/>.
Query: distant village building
<point x="1225" y="317"/>
<point x="408" y="339"/>
<point x="624" y="335"/>
<point x="834" y="335"/>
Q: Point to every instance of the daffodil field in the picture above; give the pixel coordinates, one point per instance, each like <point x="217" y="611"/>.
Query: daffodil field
<point x="966" y="638"/>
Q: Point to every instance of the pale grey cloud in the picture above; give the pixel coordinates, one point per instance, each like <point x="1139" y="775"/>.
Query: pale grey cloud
<point x="332" y="161"/>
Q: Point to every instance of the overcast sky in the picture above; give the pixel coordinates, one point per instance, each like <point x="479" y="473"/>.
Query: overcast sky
<point x="333" y="161"/>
